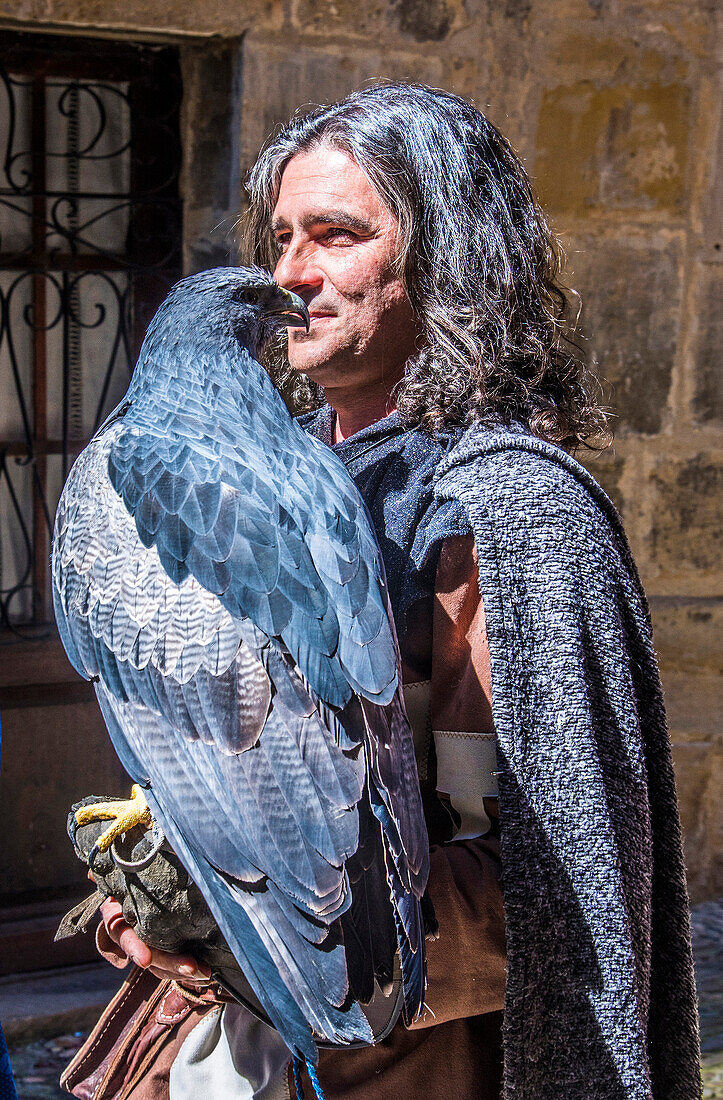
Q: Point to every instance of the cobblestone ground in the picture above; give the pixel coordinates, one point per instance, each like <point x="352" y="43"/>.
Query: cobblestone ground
<point x="38" y="1066"/>
<point x="707" y="922"/>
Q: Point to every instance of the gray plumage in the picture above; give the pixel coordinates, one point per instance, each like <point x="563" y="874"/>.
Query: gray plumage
<point x="215" y="569"/>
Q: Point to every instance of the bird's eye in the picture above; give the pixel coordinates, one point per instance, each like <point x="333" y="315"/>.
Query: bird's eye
<point x="251" y="296"/>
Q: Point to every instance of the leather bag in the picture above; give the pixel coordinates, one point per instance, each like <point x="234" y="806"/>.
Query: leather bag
<point x="130" y="1051"/>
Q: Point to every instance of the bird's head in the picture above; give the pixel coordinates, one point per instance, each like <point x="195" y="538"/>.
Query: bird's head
<point x="245" y="302"/>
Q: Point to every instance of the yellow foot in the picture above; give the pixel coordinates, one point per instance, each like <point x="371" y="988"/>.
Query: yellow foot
<point x="125" y="815"/>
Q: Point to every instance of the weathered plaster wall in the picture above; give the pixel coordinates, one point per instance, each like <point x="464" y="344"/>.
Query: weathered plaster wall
<point x="614" y="107"/>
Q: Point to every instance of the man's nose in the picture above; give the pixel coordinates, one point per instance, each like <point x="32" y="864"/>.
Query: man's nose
<point x="296" y="269"/>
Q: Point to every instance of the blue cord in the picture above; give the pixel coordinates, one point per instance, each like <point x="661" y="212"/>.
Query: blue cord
<point x="310" y="1069"/>
<point x="296" y="1063"/>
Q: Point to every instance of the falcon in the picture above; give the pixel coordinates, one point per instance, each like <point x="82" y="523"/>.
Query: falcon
<point x="216" y="575"/>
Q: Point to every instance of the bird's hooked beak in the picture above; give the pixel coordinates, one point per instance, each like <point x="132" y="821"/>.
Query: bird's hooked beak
<point x="291" y="310"/>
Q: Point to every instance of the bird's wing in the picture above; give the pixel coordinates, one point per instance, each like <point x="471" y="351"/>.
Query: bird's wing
<point x="173" y="649"/>
<point x="186" y="688"/>
<point x="266" y="518"/>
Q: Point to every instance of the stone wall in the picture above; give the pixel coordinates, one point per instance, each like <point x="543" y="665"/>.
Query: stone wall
<point x="614" y="109"/>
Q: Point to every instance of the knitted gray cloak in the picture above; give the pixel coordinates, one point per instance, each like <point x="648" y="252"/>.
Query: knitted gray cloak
<point x="600" y="1001"/>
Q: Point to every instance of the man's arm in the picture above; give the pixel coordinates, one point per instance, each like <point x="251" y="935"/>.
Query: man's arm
<point x="466" y="965"/>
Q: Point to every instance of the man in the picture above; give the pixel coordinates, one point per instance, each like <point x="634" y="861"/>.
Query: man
<point x="435" y="365"/>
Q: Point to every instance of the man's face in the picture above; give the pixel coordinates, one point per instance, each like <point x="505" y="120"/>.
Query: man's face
<point x="338" y="241"/>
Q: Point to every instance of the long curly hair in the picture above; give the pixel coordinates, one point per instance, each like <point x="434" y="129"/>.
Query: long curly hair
<point x="480" y="265"/>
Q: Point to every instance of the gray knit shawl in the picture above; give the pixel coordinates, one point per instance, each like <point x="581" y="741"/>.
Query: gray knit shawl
<point x="600" y="1001"/>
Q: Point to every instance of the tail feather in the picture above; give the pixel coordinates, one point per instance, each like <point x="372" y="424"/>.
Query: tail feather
<point x="410" y="935"/>
<point x="252" y="956"/>
<point x="307" y="964"/>
<point x="394" y="790"/>
<point x="312" y="987"/>
<point x="368" y="925"/>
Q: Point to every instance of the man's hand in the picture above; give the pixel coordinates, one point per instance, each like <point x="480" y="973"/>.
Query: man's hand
<point x="181" y="968"/>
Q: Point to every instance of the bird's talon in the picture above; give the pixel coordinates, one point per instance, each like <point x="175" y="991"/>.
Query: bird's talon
<point x="93" y="855"/>
<point x="125" y="815"/>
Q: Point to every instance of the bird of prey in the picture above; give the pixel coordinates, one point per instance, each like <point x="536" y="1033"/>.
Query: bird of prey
<point x="217" y="576"/>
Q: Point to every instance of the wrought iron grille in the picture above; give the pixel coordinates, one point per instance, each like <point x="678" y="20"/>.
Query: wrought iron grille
<point x="90" y="241"/>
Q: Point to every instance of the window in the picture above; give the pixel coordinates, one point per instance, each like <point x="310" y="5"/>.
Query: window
<point x="90" y="242"/>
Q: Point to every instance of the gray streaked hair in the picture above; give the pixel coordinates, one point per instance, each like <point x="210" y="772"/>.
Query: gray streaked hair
<point x="479" y="262"/>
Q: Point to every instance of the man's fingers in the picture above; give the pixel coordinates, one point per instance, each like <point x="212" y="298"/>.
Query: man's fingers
<point x="180" y="967"/>
<point x="110" y="907"/>
<point x="161" y="963"/>
<point x="112" y="915"/>
<point x="136" y="950"/>
<point x="121" y="933"/>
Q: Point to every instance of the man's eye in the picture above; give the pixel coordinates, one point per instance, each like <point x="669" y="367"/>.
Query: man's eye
<point x="282" y="241"/>
<point x="338" y="233"/>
